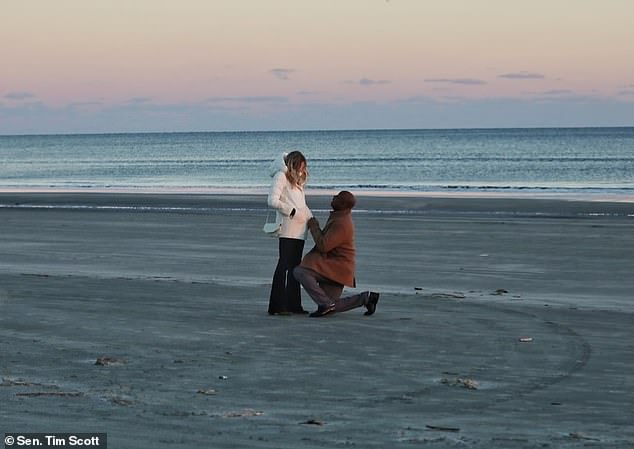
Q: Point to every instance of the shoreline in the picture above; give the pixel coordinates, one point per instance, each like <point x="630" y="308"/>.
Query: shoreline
<point x="373" y="204"/>
<point x="503" y="193"/>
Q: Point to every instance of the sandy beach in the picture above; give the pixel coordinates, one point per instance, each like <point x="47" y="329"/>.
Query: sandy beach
<point x="502" y="323"/>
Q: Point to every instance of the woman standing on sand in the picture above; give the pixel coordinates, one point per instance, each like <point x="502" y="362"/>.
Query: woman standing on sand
<point x="286" y="196"/>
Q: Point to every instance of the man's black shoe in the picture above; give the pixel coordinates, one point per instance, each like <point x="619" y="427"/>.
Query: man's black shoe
<point x="373" y="299"/>
<point x="322" y="311"/>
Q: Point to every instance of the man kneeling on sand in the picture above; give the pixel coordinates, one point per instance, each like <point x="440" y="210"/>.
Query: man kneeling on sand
<point x="330" y="265"/>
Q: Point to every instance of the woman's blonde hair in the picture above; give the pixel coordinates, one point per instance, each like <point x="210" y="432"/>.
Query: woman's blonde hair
<point x="294" y="173"/>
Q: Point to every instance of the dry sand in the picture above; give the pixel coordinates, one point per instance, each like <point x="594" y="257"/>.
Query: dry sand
<point x="173" y="301"/>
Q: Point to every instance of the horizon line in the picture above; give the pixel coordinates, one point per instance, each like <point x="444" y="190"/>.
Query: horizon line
<point x="119" y="133"/>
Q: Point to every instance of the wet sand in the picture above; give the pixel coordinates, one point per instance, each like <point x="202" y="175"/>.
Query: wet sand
<point x="502" y="323"/>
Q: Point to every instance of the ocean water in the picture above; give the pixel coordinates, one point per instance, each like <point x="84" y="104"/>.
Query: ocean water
<point x="562" y="161"/>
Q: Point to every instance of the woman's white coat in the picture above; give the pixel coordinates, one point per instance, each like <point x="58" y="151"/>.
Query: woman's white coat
<point x="284" y="197"/>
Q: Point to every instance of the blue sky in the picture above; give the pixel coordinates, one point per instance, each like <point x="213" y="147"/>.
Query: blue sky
<point x="73" y="66"/>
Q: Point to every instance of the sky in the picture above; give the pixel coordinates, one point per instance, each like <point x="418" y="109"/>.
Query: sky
<point x="79" y="66"/>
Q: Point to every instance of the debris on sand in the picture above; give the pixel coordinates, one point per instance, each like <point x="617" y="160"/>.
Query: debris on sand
<point x="463" y="382"/>
<point x="314" y="422"/>
<point x="207" y="391"/>
<point x="500" y="291"/>
<point x="110" y="361"/>
<point x="36" y="394"/>
<point x="245" y="413"/>
<point x="443" y="428"/>
<point x="118" y="400"/>
<point x="456" y="295"/>
<point x="581" y="436"/>
<point x="21" y="383"/>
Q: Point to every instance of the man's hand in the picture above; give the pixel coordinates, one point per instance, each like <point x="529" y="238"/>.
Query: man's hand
<point x="313" y="223"/>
